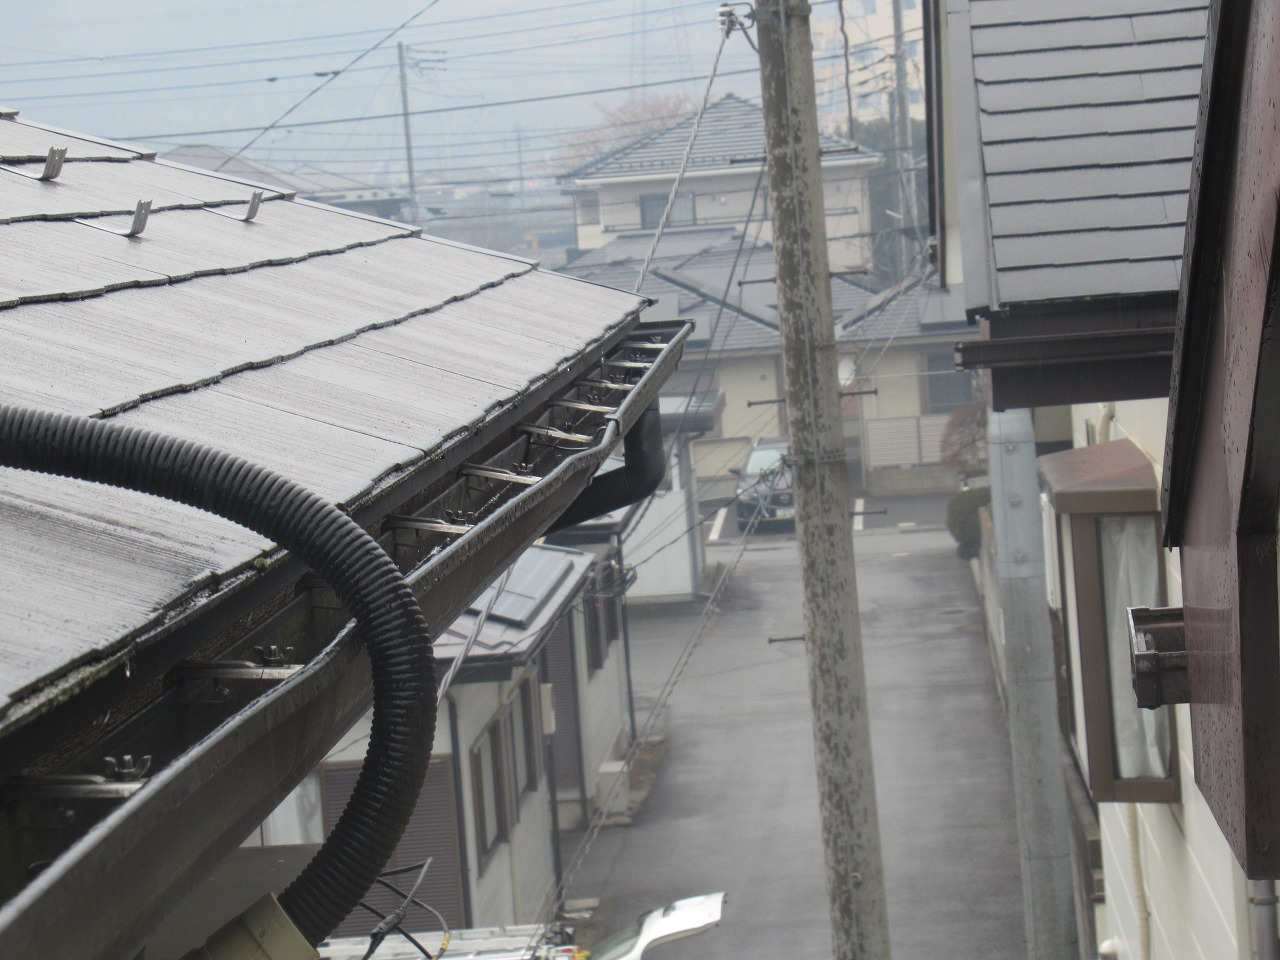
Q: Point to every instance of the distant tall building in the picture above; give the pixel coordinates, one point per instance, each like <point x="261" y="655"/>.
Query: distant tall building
<point x="869" y="27"/>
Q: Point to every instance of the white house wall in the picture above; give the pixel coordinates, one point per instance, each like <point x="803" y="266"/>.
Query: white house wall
<point x="532" y="869"/>
<point x="746" y="378"/>
<point x="517" y="881"/>
<point x="664" y="569"/>
<point x="1196" y="893"/>
<point x="725" y="199"/>
<point x="895" y="374"/>
<point x="847" y="198"/>
<point x="603" y="696"/>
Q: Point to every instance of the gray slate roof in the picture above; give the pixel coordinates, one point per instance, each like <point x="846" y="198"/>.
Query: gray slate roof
<point x="335" y="348"/>
<point x="306" y="181"/>
<point x="541" y="582"/>
<point x="1086" y="117"/>
<point x="915" y="309"/>
<point x="732" y="129"/>
<point x="687" y="279"/>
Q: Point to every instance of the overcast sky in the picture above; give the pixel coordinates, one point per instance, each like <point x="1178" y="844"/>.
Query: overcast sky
<point x="165" y="73"/>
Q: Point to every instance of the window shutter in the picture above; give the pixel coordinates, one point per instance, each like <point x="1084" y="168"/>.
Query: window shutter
<point x="432" y="832"/>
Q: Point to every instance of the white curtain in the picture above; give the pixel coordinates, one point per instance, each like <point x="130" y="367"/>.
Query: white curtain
<point x="1130" y="578"/>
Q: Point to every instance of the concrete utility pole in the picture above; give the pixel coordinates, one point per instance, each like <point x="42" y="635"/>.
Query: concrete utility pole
<point x="904" y="163"/>
<point x="824" y="532"/>
<point x="408" y="137"/>
<point x="1039" y="788"/>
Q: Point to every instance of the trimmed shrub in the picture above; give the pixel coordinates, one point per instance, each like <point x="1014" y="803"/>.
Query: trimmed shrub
<point x="963" y="520"/>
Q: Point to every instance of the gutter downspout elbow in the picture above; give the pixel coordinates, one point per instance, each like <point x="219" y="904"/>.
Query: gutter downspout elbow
<point x="643" y="469"/>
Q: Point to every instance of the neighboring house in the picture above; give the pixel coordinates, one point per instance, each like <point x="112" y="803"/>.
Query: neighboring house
<point x="900" y="342"/>
<point x="186" y="673"/>
<point x="485" y="814"/>
<point x="902" y="346"/>
<point x="1095" y="286"/>
<point x="307" y="181"/>
<point x="734" y="351"/>
<point x="626" y="191"/>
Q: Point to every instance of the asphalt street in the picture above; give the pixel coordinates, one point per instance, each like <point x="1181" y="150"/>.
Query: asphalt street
<point x="735" y="807"/>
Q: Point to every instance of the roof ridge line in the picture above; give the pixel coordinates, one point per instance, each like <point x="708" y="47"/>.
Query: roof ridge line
<point x="1128" y="72"/>
<point x="165" y="280"/>
<point x="1090" y="106"/>
<point x="278" y="359"/>
<point x="1193" y="8"/>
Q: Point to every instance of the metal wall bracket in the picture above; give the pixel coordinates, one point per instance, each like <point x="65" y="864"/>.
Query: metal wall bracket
<point x="498" y="473"/>
<point x="551" y="433"/>
<point x="1158" y="655"/>
<point x="232" y="670"/>
<point x="606" y="385"/>
<point x="52" y="166"/>
<point x="85" y="786"/>
<point x="583" y="405"/>
<point x="140" y="215"/>
<point x="394" y="522"/>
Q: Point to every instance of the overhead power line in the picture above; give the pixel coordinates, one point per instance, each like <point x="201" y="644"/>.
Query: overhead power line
<point x="302" y="124"/>
<point x="347" y="35"/>
<point x="324" y="83"/>
<point x="597" y="91"/>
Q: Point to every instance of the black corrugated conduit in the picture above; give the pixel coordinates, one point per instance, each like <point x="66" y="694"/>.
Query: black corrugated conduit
<point x="644" y="465"/>
<point x="364" y="577"/>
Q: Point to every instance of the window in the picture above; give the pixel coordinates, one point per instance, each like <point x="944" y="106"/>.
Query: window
<point x="526" y="738"/>
<point x="611" y="588"/>
<point x="1102" y="520"/>
<point x="945" y="387"/>
<point x="489" y="786"/>
<point x="602" y="611"/>
<point x="588" y="205"/>
<point x="597" y="646"/>
<point x="652" y="205"/>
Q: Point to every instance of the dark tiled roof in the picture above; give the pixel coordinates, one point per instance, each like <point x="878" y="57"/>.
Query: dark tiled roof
<point x="337" y="349"/>
<point x="1086" y="117"/>
<point x="732" y="129"/>
<point x="542" y="580"/>
<point x="687" y="279"/>
<point x="915" y="309"/>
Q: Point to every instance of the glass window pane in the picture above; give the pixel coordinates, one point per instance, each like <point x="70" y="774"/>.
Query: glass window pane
<point x="1130" y="578"/>
<point x="519" y="741"/>
<point x="488" y="792"/>
<point x="652" y="205"/>
<point x="946" y="388"/>
<point x="1071" y="626"/>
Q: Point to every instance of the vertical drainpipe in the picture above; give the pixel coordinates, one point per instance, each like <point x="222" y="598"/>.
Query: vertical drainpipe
<point x="1263" y="900"/>
<point x="549" y="766"/>
<point x="620" y="584"/>
<point x="464" y="848"/>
